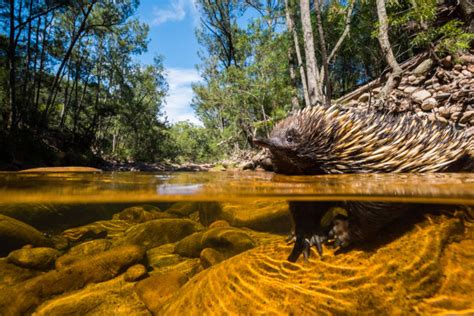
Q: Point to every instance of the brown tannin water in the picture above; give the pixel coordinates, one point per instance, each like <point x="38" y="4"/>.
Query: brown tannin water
<point x="215" y="243"/>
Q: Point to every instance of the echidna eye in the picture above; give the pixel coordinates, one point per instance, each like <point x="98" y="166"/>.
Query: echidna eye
<point x="289" y="139"/>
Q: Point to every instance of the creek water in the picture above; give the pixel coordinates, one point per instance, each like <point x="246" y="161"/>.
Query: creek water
<point x="214" y="242"/>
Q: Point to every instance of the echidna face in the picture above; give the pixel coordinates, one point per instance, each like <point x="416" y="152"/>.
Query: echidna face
<point x="284" y="143"/>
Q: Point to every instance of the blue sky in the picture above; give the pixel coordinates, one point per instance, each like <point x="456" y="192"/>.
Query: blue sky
<point x="172" y="24"/>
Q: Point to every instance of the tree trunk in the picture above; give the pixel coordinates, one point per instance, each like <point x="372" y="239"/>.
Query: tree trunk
<point x="311" y="63"/>
<point x="292" y="30"/>
<point x="326" y="85"/>
<point x="13" y="114"/>
<point x="58" y="75"/>
<point x="394" y="77"/>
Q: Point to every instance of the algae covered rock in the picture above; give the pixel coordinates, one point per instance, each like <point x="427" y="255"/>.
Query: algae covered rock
<point x="100" y="229"/>
<point x="40" y="258"/>
<point x="15" y="234"/>
<point x="83" y="250"/>
<point x="23" y="297"/>
<point x="158" y="232"/>
<point x="228" y="241"/>
<point x="141" y="214"/>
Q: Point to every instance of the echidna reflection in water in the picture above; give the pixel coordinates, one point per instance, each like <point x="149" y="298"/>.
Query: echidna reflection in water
<point x="319" y="140"/>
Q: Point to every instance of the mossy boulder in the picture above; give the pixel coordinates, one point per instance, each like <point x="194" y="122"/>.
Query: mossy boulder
<point x="14" y="234"/>
<point x="159" y="232"/>
<point x="41" y="258"/>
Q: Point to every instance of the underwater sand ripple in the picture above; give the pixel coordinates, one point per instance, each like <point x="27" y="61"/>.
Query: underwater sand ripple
<point x="414" y="273"/>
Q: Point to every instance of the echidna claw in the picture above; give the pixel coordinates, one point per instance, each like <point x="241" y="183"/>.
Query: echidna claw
<point x="306" y="249"/>
<point x="291" y="239"/>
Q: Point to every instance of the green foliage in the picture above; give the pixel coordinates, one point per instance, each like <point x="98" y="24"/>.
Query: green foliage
<point x="192" y="143"/>
<point x="449" y="38"/>
<point x="419" y="18"/>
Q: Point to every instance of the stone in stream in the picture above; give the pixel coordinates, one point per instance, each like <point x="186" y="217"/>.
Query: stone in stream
<point x="24" y="297"/>
<point x="141" y="214"/>
<point x="15" y="234"/>
<point x="229" y="241"/>
<point x="41" y="258"/>
<point x="159" y="232"/>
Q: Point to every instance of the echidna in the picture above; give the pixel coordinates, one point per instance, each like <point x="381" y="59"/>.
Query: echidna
<point x="319" y="140"/>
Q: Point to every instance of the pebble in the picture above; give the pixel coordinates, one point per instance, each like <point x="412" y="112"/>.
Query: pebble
<point x="466" y="73"/>
<point x="429" y="104"/>
<point x="410" y="89"/>
<point x="420" y="96"/>
<point x="466" y="117"/>
<point x="135" y="273"/>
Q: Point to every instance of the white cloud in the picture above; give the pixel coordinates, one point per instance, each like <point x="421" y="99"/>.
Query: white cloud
<point x="178" y="102"/>
<point x="175" y="11"/>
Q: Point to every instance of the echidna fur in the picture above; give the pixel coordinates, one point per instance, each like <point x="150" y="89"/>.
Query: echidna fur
<point x="332" y="141"/>
<point x="319" y="140"/>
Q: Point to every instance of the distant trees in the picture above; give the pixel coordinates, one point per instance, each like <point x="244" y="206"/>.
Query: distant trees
<point x="67" y="72"/>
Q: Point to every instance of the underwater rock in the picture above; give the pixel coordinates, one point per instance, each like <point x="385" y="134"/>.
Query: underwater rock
<point x="183" y="209"/>
<point x="219" y="223"/>
<point x="162" y="257"/>
<point x="80" y="251"/>
<point x="141" y="214"/>
<point x="159" y="231"/>
<point x="96" y="230"/>
<point x="135" y="273"/>
<point x="15" y="234"/>
<point x="115" y="296"/>
<point x="399" y="277"/>
<point x="206" y="212"/>
<point x="11" y="274"/>
<point x="228" y="241"/>
<point x="41" y="258"/>
<point x="23" y="297"/>
<point x="210" y="257"/>
<point x="263" y="216"/>
<point x="156" y="289"/>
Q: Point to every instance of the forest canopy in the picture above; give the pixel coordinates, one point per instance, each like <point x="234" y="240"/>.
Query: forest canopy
<point x="71" y="87"/>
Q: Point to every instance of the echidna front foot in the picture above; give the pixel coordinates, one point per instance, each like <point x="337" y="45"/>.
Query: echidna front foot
<point x="340" y="232"/>
<point x="303" y="245"/>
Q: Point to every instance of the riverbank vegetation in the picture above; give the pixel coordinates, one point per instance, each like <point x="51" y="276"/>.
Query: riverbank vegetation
<point x="73" y="92"/>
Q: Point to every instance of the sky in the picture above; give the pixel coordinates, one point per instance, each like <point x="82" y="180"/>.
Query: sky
<point x="172" y="24"/>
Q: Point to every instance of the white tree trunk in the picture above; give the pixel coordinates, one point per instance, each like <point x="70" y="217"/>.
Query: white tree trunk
<point x="384" y="41"/>
<point x="311" y="63"/>
<point x="291" y="29"/>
